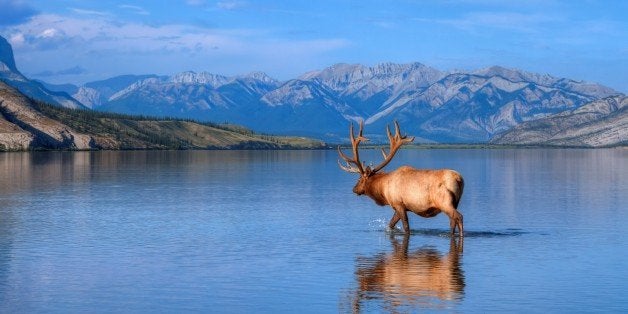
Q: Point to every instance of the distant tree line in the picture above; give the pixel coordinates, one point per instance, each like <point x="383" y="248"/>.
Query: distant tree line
<point x="130" y="131"/>
<point x="89" y="114"/>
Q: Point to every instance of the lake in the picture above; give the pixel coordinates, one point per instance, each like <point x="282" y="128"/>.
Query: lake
<point x="281" y="231"/>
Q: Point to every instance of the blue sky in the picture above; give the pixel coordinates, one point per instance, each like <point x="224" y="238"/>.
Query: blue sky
<point x="79" y="41"/>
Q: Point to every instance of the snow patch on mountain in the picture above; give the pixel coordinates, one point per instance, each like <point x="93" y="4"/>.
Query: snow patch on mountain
<point x="207" y="78"/>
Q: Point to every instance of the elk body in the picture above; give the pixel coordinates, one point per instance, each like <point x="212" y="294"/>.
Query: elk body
<point x="421" y="191"/>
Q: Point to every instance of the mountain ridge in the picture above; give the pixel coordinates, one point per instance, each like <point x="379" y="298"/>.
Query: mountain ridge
<point x="480" y="103"/>
<point x="434" y="105"/>
<point x="601" y="123"/>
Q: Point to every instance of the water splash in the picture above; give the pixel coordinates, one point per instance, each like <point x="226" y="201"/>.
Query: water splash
<point x="378" y="224"/>
<point x="381" y="224"/>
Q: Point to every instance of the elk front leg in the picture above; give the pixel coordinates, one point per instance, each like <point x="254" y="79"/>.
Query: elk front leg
<point x="393" y="221"/>
<point x="402" y="215"/>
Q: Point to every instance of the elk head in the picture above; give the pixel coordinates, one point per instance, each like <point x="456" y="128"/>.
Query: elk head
<point x="366" y="172"/>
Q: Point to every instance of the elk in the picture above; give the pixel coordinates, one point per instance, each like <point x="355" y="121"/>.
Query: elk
<point x="425" y="192"/>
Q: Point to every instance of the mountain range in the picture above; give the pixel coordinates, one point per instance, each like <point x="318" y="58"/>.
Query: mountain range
<point x="433" y="105"/>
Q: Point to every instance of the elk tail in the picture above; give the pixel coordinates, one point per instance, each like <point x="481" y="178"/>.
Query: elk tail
<point x="458" y="196"/>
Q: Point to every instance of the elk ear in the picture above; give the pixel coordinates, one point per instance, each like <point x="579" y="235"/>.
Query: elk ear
<point x="368" y="171"/>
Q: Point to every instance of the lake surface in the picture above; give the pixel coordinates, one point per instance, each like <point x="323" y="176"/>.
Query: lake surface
<point x="281" y="231"/>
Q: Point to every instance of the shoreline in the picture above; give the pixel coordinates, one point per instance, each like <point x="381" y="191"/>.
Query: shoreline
<point x="333" y="147"/>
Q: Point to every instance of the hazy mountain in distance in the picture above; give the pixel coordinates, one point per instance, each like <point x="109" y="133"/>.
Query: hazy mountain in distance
<point x="434" y="105"/>
<point x="66" y="88"/>
<point x="95" y="94"/>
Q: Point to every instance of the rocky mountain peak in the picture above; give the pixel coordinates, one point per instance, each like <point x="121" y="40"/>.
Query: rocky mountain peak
<point x="369" y="80"/>
<point x="292" y="93"/>
<point x="260" y="76"/>
<point x="190" y="77"/>
<point x="515" y="75"/>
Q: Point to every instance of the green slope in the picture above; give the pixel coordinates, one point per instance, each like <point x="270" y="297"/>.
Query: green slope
<point x="29" y="118"/>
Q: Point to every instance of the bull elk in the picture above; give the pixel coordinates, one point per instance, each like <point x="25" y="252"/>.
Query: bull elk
<point x="421" y="191"/>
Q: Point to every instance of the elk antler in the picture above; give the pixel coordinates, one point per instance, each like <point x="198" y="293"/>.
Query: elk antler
<point x="356" y="157"/>
<point x="395" y="143"/>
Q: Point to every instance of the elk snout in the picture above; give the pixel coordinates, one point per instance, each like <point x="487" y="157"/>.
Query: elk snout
<point x="359" y="187"/>
<point x="357" y="190"/>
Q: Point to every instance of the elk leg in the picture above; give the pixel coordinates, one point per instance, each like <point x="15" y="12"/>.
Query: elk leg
<point x="403" y="215"/>
<point x="455" y="220"/>
<point x="393" y="221"/>
<point x="460" y="228"/>
<point x="404" y="220"/>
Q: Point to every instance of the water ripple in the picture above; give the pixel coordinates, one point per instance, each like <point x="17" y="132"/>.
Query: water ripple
<point x="445" y="233"/>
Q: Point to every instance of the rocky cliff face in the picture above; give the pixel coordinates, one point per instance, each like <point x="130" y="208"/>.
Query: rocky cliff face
<point x="22" y="127"/>
<point x="597" y="124"/>
<point x="7" y="62"/>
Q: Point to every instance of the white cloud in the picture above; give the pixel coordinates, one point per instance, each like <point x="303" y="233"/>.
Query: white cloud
<point x="89" y="12"/>
<point x="101" y="42"/>
<point x="231" y="5"/>
<point x="17" y="40"/>
<point x="135" y="9"/>
<point x="49" y="33"/>
<point x="99" y="33"/>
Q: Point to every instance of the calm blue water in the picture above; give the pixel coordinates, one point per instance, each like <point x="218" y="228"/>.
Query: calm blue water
<point x="281" y="231"/>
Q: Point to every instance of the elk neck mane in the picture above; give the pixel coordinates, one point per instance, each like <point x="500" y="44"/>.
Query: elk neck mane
<point x="375" y="187"/>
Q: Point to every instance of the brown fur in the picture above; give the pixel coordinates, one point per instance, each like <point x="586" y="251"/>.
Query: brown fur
<point x="423" y="192"/>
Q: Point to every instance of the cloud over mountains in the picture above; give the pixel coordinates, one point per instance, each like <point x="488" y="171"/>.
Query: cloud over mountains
<point x="585" y="41"/>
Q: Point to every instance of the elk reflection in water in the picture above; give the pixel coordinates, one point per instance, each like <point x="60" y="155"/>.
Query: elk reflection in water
<point x="424" y="278"/>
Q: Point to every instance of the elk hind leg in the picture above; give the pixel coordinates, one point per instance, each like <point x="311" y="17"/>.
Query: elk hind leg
<point x="455" y="220"/>
<point x="458" y="223"/>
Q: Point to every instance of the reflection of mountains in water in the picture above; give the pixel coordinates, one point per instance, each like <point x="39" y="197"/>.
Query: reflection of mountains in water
<point x="425" y="278"/>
